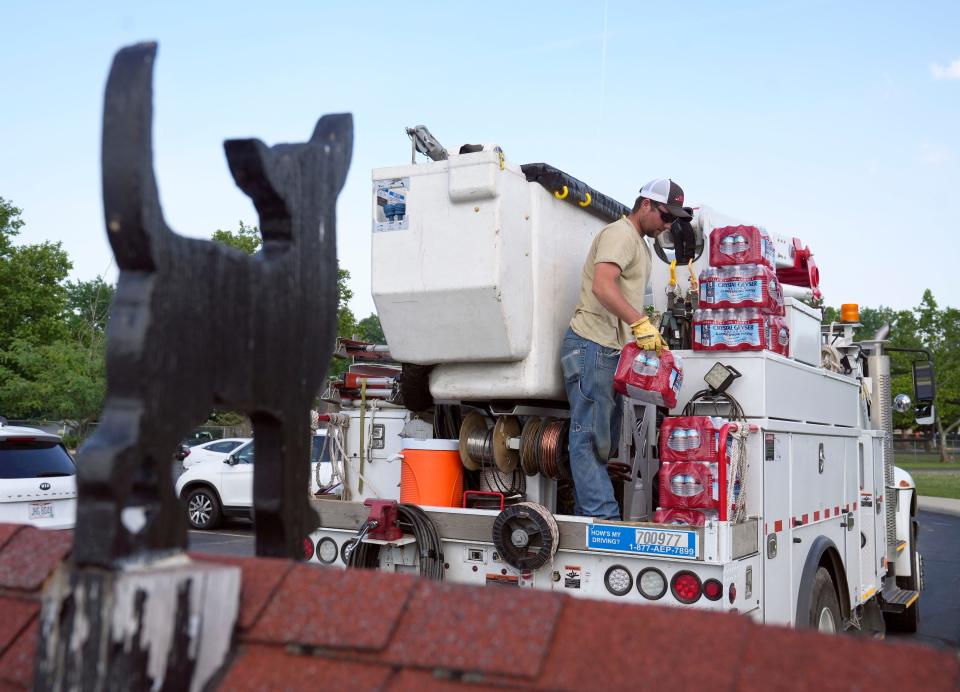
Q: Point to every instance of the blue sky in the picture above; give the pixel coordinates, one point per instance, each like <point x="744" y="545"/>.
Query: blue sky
<point x="834" y="122"/>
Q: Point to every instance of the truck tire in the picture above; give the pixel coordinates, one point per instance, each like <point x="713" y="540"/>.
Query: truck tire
<point x="824" y="606"/>
<point x="909" y="620"/>
<point x="203" y="509"/>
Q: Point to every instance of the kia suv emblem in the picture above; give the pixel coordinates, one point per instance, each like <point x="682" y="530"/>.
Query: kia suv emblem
<point x="44" y="486"/>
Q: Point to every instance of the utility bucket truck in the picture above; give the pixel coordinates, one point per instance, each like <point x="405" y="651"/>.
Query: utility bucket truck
<point x="768" y="489"/>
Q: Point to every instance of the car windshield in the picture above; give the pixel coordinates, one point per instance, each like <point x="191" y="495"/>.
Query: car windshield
<point x="319" y="450"/>
<point x="34" y="459"/>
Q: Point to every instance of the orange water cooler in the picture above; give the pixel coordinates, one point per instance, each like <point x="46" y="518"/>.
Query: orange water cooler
<point x="431" y="473"/>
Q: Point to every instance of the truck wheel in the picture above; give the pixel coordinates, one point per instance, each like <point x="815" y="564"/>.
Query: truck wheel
<point x="824" y="606"/>
<point x="203" y="509"/>
<point x="909" y="620"/>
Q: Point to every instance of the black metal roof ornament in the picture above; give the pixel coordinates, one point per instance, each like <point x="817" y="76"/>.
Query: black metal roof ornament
<point x="196" y="325"/>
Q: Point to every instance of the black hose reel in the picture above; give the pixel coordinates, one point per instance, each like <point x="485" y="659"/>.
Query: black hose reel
<point x="526" y="535"/>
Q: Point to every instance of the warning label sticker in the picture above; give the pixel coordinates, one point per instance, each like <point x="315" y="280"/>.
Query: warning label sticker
<point x="571" y="576"/>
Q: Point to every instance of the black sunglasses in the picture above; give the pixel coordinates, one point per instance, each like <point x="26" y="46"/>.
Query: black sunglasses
<point x="665" y="216"/>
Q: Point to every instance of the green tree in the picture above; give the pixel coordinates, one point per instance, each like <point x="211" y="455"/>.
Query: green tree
<point x="245" y="238"/>
<point x="88" y="306"/>
<point x="371" y="330"/>
<point x="32" y="293"/>
<point x="62" y="380"/>
<point x="929" y="327"/>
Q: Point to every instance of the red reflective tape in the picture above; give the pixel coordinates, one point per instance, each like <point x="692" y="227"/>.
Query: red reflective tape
<point x="854" y="506"/>
<point x="816" y="516"/>
<point x="765" y="529"/>
<point x="805" y="518"/>
<point x="846" y="508"/>
<point x="778" y="525"/>
<point x="826" y="513"/>
<point x="836" y="510"/>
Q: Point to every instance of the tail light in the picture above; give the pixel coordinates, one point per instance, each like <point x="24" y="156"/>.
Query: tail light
<point x="327" y="550"/>
<point x="618" y="580"/>
<point x="686" y="587"/>
<point x="712" y="590"/>
<point x="307" y="548"/>
<point x="651" y="583"/>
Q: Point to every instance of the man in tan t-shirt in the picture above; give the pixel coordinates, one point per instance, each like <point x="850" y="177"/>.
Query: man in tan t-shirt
<point x="608" y="315"/>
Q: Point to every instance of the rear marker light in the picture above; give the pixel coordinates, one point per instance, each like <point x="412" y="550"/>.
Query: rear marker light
<point x="307" y="548"/>
<point x="651" y="583"/>
<point x="327" y="550"/>
<point x="618" y="580"/>
<point x="712" y="590"/>
<point x="686" y="587"/>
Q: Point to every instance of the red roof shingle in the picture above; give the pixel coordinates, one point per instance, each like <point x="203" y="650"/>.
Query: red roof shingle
<point x="302" y="626"/>
<point x="29" y="557"/>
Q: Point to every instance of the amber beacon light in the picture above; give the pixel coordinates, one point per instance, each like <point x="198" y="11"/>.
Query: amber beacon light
<point x="849" y="312"/>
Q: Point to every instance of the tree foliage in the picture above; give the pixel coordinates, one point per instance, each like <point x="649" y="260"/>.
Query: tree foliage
<point x="245" y="238"/>
<point x="51" y="331"/>
<point x="32" y="292"/>
<point x="927" y="326"/>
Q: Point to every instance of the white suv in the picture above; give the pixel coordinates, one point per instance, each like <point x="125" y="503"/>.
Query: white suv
<point x="216" y="488"/>
<point x="38" y="479"/>
<point x="217" y="450"/>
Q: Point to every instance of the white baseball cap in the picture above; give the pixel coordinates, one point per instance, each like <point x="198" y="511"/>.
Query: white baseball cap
<point x="667" y="192"/>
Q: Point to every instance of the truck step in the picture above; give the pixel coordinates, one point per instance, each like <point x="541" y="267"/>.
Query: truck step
<point x="897" y="600"/>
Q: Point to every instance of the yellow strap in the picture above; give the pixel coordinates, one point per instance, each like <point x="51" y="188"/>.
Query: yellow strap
<point x="500" y="155"/>
<point x="693" y="277"/>
<point x="586" y="201"/>
<point x="673" y="272"/>
<point x="564" y="195"/>
<point x="363" y="412"/>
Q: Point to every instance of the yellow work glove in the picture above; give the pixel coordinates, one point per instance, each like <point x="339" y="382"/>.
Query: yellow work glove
<point x="647" y="336"/>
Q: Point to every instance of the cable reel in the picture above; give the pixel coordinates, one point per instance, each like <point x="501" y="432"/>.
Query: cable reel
<point x="526" y="535"/>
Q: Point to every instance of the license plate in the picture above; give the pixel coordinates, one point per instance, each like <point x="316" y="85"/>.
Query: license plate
<point x="41" y="510"/>
<point x="642" y="540"/>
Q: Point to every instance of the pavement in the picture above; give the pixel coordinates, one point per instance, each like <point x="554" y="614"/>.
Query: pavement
<point x="939" y="505"/>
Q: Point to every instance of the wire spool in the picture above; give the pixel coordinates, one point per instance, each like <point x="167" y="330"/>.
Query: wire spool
<point x="537" y="443"/>
<point x="528" y="454"/>
<point x="505" y="458"/>
<point x="474" y="425"/>
<point x="526" y="535"/>
<point x="494" y="480"/>
<point x="552" y="449"/>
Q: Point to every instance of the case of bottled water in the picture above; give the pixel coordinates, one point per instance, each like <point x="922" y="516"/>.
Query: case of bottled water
<point x="729" y="329"/>
<point x="741" y="286"/>
<point x="692" y="438"/>
<point x="643" y="376"/>
<point x="741" y="245"/>
<point x="683" y="517"/>
<point x="691" y="485"/>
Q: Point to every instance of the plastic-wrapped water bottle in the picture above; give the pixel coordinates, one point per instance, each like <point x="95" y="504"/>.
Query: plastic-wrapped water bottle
<point x="677" y="439"/>
<point x="740" y="244"/>
<point x="727" y="245"/>
<point x="693" y="439"/>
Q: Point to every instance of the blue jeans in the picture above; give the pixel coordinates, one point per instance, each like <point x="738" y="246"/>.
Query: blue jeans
<point x="595" y="412"/>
